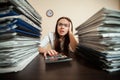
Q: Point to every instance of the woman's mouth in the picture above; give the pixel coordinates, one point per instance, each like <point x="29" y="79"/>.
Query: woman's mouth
<point x="61" y="31"/>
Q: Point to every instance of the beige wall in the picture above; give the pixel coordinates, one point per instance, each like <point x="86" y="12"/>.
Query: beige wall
<point x="78" y="10"/>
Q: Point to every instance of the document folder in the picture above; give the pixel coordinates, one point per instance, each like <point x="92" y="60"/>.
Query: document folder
<point x="20" y="31"/>
<point x="99" y="39"/>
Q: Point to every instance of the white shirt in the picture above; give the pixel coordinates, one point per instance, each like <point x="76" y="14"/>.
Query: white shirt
<point x="48" y="39"/>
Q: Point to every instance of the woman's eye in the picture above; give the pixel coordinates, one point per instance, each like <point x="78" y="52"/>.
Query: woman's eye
<point x="61" y="24"/>
<point x="65" y="25"/>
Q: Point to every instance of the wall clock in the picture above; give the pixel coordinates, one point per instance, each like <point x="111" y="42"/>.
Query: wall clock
<point x="49" y="13"/>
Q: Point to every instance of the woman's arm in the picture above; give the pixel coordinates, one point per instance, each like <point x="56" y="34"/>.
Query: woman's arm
<point x="42" y="50"/>
<point x="73" y="42"/>
<point x="43" y="43"/>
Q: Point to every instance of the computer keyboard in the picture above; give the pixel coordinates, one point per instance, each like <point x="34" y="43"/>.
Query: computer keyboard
<point x="57" y="58"/>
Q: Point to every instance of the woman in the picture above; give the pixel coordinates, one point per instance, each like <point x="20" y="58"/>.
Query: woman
<point x="61" y="41"/>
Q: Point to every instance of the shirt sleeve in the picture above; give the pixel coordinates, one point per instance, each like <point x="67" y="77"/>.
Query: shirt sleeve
<point x="47" y="39"/>
<point x="44" y="41"/>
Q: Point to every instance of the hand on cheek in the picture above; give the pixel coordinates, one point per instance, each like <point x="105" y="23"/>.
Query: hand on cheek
<point x="70" y="30"/>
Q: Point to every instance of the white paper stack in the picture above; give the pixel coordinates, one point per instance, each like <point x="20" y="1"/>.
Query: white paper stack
<point x="20" y="31"/>
<point x="101" y="33"/>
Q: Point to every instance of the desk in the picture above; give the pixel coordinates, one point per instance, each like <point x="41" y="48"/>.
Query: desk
<point x="74" y="70"/>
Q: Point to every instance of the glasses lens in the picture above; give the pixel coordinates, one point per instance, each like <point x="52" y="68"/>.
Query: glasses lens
<point x="61" y="24"/>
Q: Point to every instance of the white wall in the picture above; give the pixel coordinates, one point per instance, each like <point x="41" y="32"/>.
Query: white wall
<point x="78" y="10"/>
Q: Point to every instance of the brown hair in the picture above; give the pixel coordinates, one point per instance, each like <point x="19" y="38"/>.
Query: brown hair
<point x="66" y="40"/>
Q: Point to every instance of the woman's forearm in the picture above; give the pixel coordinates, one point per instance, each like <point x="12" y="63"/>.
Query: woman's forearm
<point x="42" y="50"/>
<point x="73" y="42"/>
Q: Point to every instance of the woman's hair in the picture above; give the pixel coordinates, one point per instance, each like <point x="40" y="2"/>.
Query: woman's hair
<point x="66" y="40"/>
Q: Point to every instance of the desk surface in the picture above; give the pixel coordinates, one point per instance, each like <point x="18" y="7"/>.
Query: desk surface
<point x="74" y="70"/>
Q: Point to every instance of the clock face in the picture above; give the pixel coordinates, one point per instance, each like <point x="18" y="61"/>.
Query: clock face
<point x="49" y="13"/>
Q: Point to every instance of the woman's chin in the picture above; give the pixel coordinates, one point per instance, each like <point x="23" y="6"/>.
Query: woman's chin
<point x="62" y="34"/>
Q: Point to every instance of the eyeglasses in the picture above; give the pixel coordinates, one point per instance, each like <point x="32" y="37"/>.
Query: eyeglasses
<point x="61" y="24"/>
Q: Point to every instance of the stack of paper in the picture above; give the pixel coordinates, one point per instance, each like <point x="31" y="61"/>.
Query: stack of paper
<point x="20" y="31"/>
<point x="100" y="34"/>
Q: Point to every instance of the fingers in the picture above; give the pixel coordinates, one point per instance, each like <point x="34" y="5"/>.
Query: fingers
<point x="70" y="29"/>
<point x="45" y="54"/>
<point x="51" y="53"/>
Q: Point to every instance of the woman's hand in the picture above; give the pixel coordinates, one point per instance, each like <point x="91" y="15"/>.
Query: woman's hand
<point x="46" y="52"/>
<point x="70" y="30"/>
<point x="73" y="42"/>
<point x="50" y="52"/>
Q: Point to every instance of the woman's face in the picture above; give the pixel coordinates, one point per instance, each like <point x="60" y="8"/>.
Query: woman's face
<point x="63" y="27"/>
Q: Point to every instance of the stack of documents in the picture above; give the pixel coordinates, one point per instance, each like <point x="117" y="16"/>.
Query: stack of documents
<point x="20" y="31"/>
<point x="100" y="35"/>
